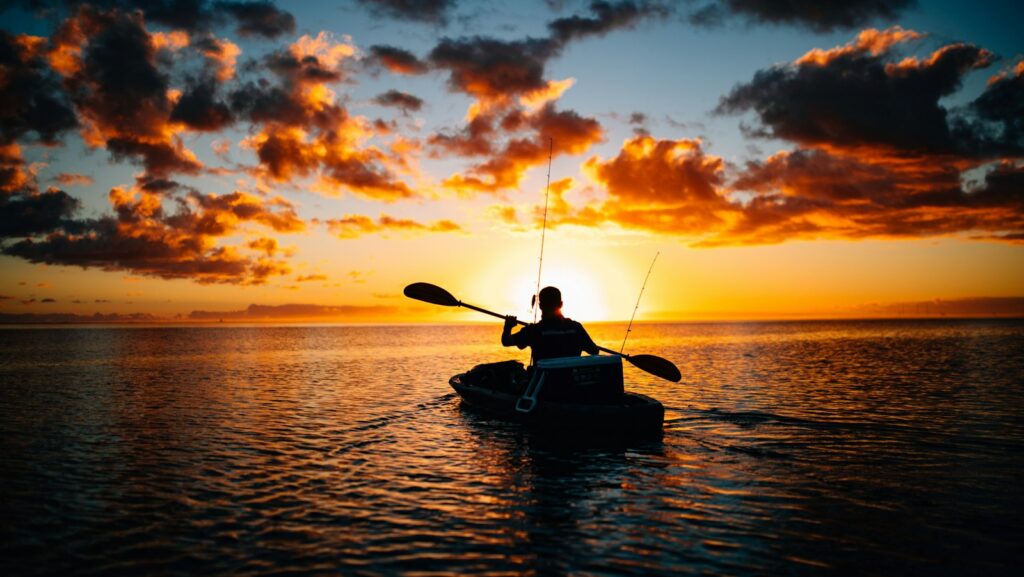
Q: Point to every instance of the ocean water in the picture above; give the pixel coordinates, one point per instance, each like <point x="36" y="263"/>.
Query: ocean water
<point x="799" y="448"/>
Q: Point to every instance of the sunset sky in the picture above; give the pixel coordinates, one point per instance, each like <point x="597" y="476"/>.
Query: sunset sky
<point x="785" y="159"/>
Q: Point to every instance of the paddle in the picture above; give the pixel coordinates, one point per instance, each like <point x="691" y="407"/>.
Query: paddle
<point x="436" y="295"/>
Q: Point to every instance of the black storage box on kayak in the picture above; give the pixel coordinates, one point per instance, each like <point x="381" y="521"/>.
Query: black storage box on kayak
<point x="595" y="379"/>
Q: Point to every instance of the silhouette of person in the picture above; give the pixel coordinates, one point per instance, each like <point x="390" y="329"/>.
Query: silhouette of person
<point x="554" y="336"/>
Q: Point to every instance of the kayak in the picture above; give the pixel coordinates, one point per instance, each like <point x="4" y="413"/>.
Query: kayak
<point x="572" y="394"/>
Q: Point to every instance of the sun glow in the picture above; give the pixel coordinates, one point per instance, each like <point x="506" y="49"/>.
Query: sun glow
<point x="581" y="294"/>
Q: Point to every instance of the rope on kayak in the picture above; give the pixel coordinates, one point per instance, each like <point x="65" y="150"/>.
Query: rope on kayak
<point x="629" y="327"/>
<point x="534" y="304"/>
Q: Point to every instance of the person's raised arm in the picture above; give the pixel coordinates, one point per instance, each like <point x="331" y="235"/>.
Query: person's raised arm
<point x="588" y="343"/>
<point x="506" y="334"/>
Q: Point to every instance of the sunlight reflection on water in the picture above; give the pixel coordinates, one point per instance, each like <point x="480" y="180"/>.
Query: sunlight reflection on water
<point x="868" y="447"/>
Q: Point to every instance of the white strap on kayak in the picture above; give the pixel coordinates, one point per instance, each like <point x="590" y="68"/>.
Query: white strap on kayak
<point x="528" y="402"/>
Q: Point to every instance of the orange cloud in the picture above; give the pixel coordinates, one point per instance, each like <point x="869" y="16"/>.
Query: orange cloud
<point x="870" y="41"/>
<point x="173" y="40"/>
<point x="311" y="278"/>
<point x="674" y="188"/>
<point x="324" y="48"/>
<point x="223" y="54"/>
<point x="145" y="239"/>
<point x="355" y="225"/>
<point x="13" y="176"/>
<point x="127" y="114"/>
<point x="553" y="132"/>
<point x="306" y="133"/>
<point x="73" y="179"/>
<point x="660" y="172"/>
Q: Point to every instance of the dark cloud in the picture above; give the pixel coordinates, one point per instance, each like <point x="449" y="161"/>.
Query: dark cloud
<point x="1001" y="107"/>
<point x="476" y="138"/>
<point x="111" y="71"/>
<point x="880" y="156"/>
<point x="200" y="109"/>
<point x="488" y="68"/>
<point x="396" y="60"/>
<point x="262" y="103"/>
<point x="35" y="213"/>
<point x="398" y="99"/>
<point x="864" y="95"/>
<point x="493" y="69"/>
<point x="144" y="239"/>
<point x="119" y="82"/>
<point x="108" y="249"/>
<point x="996" y="210"/>
<point x="157" y="185"/>
<point x="259" y="18"/>
<point x="817" y="174"/>
<point x="302" y="68"/>
<point x="813" y="14"/>
<point x="31" y="99"/>
<point x="158" y="157"/>
<point x="607" y="16"/>
<point x="364" y="175"/>
<point x="24" y="210"/>
<point x="430" y="11"/>
<point x="810" y="194"/>
<point x="304" y="131"/>
<point x="513" y="119"/>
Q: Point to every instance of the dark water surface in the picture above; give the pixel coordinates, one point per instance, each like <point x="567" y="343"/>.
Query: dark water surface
<point x="875" y="448"/>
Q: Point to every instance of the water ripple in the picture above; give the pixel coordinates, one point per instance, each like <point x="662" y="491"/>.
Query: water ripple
<point x="790" y="448"/>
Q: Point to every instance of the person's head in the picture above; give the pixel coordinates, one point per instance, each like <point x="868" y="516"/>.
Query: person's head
<point x="549" y="300"/>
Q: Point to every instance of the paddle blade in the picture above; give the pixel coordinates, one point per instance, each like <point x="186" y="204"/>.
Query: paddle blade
<point x="657" y="366"/>
<point x="430" y="293"/>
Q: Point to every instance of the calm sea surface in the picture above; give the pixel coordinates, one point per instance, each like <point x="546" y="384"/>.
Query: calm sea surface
<point x="875" y="448"/>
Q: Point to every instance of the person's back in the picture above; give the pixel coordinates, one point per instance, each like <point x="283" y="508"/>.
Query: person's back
<point x="554" y="336"/>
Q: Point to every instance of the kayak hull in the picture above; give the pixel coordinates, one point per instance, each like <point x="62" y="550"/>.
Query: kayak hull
<point x="634" y="415"/>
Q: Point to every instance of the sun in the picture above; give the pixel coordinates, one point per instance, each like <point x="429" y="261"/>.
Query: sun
<point x="581" y="293"/>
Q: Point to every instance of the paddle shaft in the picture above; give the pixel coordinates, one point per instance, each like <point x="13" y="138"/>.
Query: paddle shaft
<point x="524" y="323"/>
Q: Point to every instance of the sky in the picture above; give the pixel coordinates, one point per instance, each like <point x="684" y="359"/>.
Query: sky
<point x="196" y="159"/>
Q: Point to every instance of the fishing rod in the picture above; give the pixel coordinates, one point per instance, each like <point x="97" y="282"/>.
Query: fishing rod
<point x="543" y="231"/>
<point x="630" y="326"/>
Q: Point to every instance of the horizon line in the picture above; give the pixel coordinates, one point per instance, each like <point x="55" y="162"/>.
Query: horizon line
<point x="299" y="321"/>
